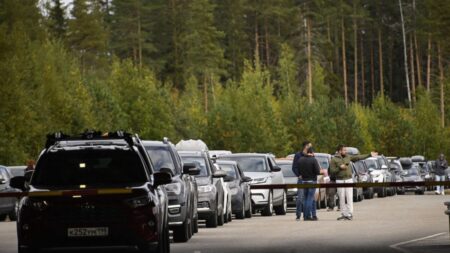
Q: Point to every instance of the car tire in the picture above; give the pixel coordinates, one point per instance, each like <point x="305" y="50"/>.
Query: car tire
<point x="382" y="193"/>
<point x="230" y="217"/>
<point x="212" y="222"/>
<point x="282" y="210"/>
<point x="268" y="209"/>
<point x="13" y="214"/>
<point x="241" y="214"/>
<point x="181" y="233"/>
<point x="249" y="212"/>
<point x="195" y="226"/>
<point x="220" y="220"/>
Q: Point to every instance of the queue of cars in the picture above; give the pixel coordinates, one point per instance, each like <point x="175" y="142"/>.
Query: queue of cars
<point x="163" y="187"/>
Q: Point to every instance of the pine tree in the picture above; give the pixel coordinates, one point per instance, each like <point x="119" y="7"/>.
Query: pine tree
<point x="57" y="22"/>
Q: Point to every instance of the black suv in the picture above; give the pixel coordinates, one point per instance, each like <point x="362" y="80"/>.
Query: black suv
<point x="182" y="193"/>
<point x="93" y="190"/>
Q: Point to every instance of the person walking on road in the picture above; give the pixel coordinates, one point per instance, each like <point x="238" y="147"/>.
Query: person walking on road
<point x="340" y="167"/>
<point x="296" y="170"/>
<point x="441" y="166"/>
<point x="309" y="170"/>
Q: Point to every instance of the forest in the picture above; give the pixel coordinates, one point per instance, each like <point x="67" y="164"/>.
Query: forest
<point x="243" y="75"/>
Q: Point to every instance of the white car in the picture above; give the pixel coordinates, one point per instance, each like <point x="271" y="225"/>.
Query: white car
<point x="379" y="174"/>
<point x="263" y="169"/>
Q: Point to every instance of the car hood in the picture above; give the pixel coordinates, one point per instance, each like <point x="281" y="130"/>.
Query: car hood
<point x="203" y="180"/>
<point x="376" y="173"/>
<point x="291" y="180"/>
<point x="254" y="175"/>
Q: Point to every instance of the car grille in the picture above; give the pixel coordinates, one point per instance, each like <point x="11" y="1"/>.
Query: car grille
<point x="203" y="205"/>
<point x="87" y="213"/>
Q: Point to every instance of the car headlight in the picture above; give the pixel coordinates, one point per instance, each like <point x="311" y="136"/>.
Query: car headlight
<point x="139" y="201"/>
<point x="205" y="188"/>
<point x="174" y="188"/>
<point x="234" y="191"/>
<point x="261" y="180"/>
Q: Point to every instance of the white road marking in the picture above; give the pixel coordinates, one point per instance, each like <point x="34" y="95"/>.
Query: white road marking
<point x="397" y="245"/>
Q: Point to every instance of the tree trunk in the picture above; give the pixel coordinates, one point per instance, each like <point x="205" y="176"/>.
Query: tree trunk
<point x="441" y="83"/>
<point x="266" y="37"/>
<point x="372" y="70"/>
<point x="413" y="75"/>
<point x="310" y="97"/>
<point x="419" y="68"/>
<point x="380" y="63"/>
<point x="344" y="62"/>
<point x="256" y="41"/>
<point x="429" y="63"/>
<point x="391" y="69"/>
<point x="329" y="41"/>
<point x="139" y="39"/>
<point x="205" y="92"/>
<point x="405" y="55"/>
<point x="355" y="52"/>
<point x="363" y="76"/>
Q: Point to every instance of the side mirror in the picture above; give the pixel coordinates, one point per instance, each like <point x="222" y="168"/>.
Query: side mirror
<point x="247" y="179"/>
<point x="18" y="183"/>
<point x="219" y="174"/>
<point x="228" y="179"/>
<point x="276" y="168"/>
<point x="162" y="178"/>
<point x="166" y="170"/>
<point x="191" y="169"/>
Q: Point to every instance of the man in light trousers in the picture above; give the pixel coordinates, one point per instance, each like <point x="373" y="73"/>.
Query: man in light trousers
<point x="340" y="167"/>
<point x="441" y="166"/>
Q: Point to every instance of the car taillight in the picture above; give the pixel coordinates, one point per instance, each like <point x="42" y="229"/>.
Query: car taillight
<point x="36" y="204"/>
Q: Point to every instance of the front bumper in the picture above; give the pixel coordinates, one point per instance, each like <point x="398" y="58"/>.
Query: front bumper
<point x="206" y="205"/>
<point x="177" y="214"/>
<point x="260" y="197"/>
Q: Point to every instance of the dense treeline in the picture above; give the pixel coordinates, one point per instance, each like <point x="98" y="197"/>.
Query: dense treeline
<point x="244" y="75"/>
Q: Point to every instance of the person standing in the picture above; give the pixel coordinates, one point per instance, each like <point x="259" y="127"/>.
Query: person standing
<point x="309" y="170"/>
<point x="341" y="168"/>
<point x="441" y="166"/>
<point x="296" y="170"/>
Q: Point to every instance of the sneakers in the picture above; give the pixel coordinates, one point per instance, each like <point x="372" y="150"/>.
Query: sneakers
<point x="436" y="192"/>
<point x="443" y="193"/>
<point x="345" y="218"/>
<point x="330" y="209"/>
<point x="308" y="219"/>
<point x="297" y="219"/>
<point x="314" y="218"/>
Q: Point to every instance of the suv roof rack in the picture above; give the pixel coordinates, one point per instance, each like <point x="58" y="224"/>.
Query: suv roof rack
<point x="53" y="138"/>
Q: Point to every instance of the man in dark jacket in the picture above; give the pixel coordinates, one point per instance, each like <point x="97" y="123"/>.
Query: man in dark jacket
<point x="441" y="166"/>
<point x="309" y="170"/>
<point x="296" y="170"/>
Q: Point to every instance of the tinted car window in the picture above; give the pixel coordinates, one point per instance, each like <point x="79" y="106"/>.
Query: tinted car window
<point x="200" y="162"/>
<point x="250" y="164"/>
<point x="287" y="170"/>
<point x="89" y="167"/>
<point x="231" y="171"/>
<point x="161" y="158"/>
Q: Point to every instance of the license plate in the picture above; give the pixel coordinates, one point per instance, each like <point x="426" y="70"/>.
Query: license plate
<point x="87" y="232"/>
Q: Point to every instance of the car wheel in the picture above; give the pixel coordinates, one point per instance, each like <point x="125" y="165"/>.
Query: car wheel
<point x="282" y="210"/>
<point x="249" y="212"/>
<point x="212" y="222"/>
<point x="13" y="214"/>
<point x="230" y="217"/>
<point x="220" y="219"/>
<point x="241" y="214"/>
<point x="382" y="193"/>
<point x="181" y="233"/>
<point x="195" y="226"/>
<point x="268" y="209"/>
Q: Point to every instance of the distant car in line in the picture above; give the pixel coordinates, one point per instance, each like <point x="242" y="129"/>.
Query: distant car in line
<point x="8" y="206"/>
<point x="412" y="174"/>
<point x="289" y="178"/>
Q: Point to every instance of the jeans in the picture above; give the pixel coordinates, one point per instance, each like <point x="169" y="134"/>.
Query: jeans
<point x="300" y="200"/>
<point x="346" y="198"/>
<point x="309" y="200"/>
<point x="439" y="188"/>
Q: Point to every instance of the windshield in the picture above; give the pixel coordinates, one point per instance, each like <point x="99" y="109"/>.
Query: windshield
<point x="200" y="162"/>
<point x="229" y="169"/>
<point x="161" y="158"/>
<point x="372" y="164"/>
<point x="323" y="162"/>
<point x="90" y="168"/>
<point x="250" y="164"/>
<point x="287" y="170"/>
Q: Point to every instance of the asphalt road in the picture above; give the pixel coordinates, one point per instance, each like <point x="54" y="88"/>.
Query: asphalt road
<point x="380" y="225"/>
